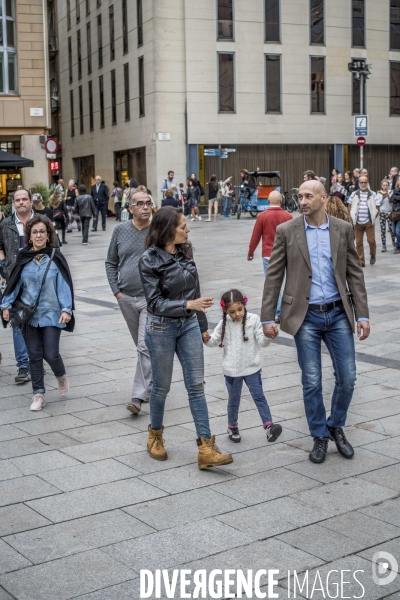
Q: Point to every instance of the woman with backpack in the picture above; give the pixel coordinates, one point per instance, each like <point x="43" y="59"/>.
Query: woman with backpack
<point x="193" y="199"/>
<point x="60" y="213"/>
<point x="212" y="197"/>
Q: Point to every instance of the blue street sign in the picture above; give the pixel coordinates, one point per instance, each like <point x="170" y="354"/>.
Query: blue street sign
<point x="224" y="155"/>
<point x="231" y="150"/>
<point x="361" y="125"/>
<point x="211" y="152"/>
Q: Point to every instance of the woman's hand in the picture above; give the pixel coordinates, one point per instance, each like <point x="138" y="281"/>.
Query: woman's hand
<point x="65" y="318"/>
<point x="201" y="304"/>
<point x="6" y="314"/>
<point x="206" y="337"/>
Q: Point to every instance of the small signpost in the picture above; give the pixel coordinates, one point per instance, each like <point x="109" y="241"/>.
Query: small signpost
<point x="361" y="127"/>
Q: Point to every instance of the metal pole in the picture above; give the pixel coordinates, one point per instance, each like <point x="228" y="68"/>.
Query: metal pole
<point x="220" y="162"/>
<point x="361" y="113"/>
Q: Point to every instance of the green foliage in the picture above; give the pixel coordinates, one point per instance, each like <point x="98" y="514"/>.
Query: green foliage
<point x="43" y="190"/>
<point x="6" y="210"/>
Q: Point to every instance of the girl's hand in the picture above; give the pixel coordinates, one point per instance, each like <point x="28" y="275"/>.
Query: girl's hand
<point x="65" y="318"/>
<point x="201" y="304"/>
<point x="206" y="337"/>
<point x="6" y="314"/>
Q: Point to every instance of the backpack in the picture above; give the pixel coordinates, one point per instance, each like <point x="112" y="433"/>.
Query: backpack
<point x="220" y="193"/>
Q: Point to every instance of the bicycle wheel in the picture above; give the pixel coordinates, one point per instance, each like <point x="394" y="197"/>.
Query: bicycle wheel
<point x="233" y="209"/>
<point x="290" y="205"/>
<point x="254" y="213"/>
<point x="239" y="211"/>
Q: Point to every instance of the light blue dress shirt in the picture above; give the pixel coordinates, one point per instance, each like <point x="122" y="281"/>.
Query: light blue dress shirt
<point x="55" y="297"/>
<point x="324" y="288"/>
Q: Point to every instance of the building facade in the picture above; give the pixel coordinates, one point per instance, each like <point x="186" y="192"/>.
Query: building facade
<point x="25" y="113"/>
<point x="151" y="85"/>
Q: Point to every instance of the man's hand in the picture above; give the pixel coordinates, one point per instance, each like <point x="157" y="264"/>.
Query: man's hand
<point x="118" y="296"/>
<point x="363" y="330"/>
<point x="270" y="330"/>
<point x="250" y="257"/>
<point x="206" y="337"/>
<point x="6" y="314"/>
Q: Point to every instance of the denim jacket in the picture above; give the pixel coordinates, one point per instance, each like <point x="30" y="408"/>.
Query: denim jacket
<point x="55" y="297"/>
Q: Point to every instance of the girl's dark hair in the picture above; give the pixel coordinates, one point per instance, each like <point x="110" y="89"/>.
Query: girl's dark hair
<point x="162" y="230"/>
<point x="213" y="183"/>
<point x="82" y="189"/>
<point x="133" y="183"/>
<point x="227" y="299"/>
<point x="116" y="183"/>
<point x="52" y="241"/>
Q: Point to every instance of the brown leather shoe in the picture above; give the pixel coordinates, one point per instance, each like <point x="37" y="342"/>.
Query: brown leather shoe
<point x="396" y="252"/>
<point x="155" y="444"/>
<point x="373" y="260"/>
<point x="210" y="455"/>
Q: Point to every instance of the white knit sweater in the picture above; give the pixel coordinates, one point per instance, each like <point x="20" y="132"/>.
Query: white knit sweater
<point x="240" y="358"/>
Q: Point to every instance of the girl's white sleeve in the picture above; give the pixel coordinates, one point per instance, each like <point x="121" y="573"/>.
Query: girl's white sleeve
<point x="215" y="339"/>
<point x="259" y="334"/>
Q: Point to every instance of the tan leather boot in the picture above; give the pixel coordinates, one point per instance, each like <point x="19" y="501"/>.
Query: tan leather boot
<point x="210" y="455"/>
<point x="155" y="444"/>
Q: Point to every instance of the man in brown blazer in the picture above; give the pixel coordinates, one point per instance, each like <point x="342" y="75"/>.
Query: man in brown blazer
<point x="324" y="292"/>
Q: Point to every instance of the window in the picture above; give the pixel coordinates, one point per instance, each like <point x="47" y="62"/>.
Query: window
<point x="126" y="93"/>
<point x="273" y="83"/>
<point x="112" y="32"/>
<point x="100" y="40"/>
<point x="8" y="56"/>
<point x="70" y="59"/>
<point x="317" y="33"/>
<point x="78" y="37"/>
<point x="317" y="84"/>
<point x="98" y="3"/>
<point x="395" y="24"/>
<point x="80" y="109"/>
<point x="101" y="98"/>
<point x="356" y="83"/>
<point x="395" y="88"/>
<point x="87" y="7"/>
<point x="89" y="47"/>
<point x="226" y="79"/>
<point x="139" y="13"/>
<point x="141" y="87"/>
<point x="113" y="99"/>
<point x="272" y="21"/>
<point x="124" y="27"/>
<point x="68" y="14"/>
<point x="358" y="23"/>
<point x="225" y="20"/>
<point x="71" y="108"/>
<point x="78" y="10"/>
<point x="90" y="106"/>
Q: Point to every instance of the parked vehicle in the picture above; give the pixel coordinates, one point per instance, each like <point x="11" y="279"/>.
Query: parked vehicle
<point x="258" y="201"/>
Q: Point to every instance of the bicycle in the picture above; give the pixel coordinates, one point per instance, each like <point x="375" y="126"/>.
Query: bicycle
<point x="292" y="203"/>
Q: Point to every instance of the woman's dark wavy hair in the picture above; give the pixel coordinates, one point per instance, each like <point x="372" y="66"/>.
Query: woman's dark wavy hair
<point x="51" y="232"/>
<point x="227" y="299"/>
<point x="162" y="230"/>
<point x="213" y="183"/>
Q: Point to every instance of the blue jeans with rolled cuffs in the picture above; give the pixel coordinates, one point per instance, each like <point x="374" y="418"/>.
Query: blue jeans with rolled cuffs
<point x="164" y="338"/>
<point x="332" y="327"/>
<point x="234" y="386"/>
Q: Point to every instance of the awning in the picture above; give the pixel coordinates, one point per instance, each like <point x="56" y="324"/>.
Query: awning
<point x="10" y="161"/>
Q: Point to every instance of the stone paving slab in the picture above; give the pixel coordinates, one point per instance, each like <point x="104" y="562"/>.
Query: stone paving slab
<point x="10" y="560"/>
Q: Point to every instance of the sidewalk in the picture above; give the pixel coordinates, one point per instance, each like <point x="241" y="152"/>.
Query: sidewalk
<point x="83" y="508"/>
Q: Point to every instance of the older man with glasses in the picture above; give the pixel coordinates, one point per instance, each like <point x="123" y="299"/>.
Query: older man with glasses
<point x="122" y="267"/>
<point x="364" y="210"/>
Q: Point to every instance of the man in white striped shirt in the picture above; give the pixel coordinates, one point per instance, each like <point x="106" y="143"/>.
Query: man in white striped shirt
<point x="364" y="210"/>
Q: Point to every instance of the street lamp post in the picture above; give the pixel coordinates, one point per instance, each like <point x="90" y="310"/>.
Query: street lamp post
<point x="361" y="72"/>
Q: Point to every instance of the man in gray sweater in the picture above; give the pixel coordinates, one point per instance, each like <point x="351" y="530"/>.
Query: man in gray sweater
<point x="122" y="267"/>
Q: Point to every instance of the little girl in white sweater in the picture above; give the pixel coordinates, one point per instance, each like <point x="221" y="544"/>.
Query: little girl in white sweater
<point x="241" y="336"/>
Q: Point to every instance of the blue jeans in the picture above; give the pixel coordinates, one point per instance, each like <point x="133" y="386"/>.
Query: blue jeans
<point x="103" y="210"/>
<point x="334" y="329"/>
<point x="43" y="343"/>
<point x="254" y="383"/>
<point x="20" y="350"/>
<point x="265" y="265"/>
<point x="226" y="206"/>
<point x="396" y="231"/>
<point x="164" y="337"/>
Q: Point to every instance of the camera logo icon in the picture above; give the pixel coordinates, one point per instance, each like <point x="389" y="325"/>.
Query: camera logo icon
<point x="384" y="568"/>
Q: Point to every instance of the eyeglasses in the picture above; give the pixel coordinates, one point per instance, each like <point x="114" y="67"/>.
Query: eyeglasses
<point x="148" y="204"/>
<point x="39" y="232"/>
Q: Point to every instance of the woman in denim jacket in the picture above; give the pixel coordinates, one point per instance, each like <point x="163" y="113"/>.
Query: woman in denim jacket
<point x="54" y="311"/>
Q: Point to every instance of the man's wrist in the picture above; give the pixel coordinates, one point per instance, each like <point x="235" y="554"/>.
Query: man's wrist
<point x="362" y="319"/>
<point x="267" y="322"/>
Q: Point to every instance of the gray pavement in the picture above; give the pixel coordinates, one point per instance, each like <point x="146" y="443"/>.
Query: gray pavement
<point x="83" y="507"/>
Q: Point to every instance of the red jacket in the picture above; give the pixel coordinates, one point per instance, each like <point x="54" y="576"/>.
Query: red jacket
<point x="265" y="228"/>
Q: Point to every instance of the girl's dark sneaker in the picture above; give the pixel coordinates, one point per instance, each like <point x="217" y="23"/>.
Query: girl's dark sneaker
<point x="234" y="435"/>
<point x="273" y="432"/>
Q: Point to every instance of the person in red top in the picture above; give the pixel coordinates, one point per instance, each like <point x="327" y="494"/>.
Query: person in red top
<point x="265" y="228"/>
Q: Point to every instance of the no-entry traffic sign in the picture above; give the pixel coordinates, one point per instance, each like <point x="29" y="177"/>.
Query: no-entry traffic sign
<point x="361" y="141"/>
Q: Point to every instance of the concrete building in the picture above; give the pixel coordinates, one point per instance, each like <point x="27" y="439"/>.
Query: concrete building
<point x="25" y="113"/>
<point x="148" y="86"/>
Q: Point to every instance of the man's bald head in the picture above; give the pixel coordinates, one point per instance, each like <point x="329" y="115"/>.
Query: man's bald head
<point x="275" y="198"/>
<point x="316" y="186"/>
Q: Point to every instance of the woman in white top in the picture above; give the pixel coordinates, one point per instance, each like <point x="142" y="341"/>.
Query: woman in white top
<point x="384" y="199"/>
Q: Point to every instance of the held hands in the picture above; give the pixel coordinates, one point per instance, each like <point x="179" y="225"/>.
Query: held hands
<point x="65" y="318"/>
<point x="201" y="304"/>
<point x="206" y="337"/>
<point x="363" y="330"/>
<point x="6" y="314"/>
<point x="270" y="330"/>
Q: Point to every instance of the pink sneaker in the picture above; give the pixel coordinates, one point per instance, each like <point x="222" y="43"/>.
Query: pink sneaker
<point x="37" y="402"/>
<point x="63" y="385"/>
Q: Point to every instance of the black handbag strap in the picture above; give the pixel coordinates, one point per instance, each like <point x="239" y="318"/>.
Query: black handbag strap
<point x="44" y="279"/>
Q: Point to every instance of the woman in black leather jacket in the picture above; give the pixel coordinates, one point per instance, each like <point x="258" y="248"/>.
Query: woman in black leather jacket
<point x="176" y="323"/>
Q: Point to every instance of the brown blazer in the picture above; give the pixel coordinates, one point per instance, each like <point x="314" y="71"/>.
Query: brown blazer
<point x="290" y="252"/>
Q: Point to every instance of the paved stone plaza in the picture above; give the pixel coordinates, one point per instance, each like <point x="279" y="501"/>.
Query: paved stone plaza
<point x="83" y="507"/>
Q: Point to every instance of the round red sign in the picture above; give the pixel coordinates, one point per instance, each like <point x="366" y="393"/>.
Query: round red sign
<point x="361" y="141"/>
<point x="51" y="145"/>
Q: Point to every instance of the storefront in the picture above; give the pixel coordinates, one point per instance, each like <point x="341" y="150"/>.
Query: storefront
<point x="84" y="169"/>
<point x="11" y="177"/>
<point x="130" y="163"/>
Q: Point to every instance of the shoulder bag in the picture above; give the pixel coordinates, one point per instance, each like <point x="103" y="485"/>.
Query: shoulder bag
<point x="21" y="313"/>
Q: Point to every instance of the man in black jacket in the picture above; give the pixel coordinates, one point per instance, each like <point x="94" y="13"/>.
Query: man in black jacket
<point x="100" y="195"/>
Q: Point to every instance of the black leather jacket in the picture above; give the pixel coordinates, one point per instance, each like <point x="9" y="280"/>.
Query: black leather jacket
<point x="169" y="281"/>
